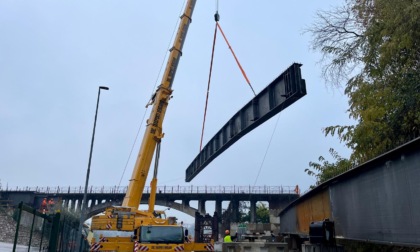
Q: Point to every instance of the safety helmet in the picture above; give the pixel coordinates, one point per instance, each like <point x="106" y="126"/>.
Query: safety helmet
<point x="227" y="232"/>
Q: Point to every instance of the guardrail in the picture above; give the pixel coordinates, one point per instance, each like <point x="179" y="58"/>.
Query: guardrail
<point x="161" y="189"/>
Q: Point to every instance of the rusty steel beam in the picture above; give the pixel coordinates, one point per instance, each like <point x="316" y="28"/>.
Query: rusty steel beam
<point x="287" y="88"/>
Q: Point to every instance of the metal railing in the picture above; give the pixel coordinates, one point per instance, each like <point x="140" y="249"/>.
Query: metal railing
<point x="160" y="189"/>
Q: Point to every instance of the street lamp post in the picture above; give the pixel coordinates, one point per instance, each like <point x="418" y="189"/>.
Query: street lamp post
<point x="84" y="202"/>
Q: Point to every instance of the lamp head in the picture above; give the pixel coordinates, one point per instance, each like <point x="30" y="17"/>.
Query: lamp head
<point x="103" y="87"/>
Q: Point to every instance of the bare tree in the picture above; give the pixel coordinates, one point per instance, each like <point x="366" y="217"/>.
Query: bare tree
<point x="338" y="35"/>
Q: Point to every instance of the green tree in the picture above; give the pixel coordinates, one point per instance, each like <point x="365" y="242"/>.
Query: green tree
<point x="374" y="47"/>
<point x="325" y="170"/>
<point x="262" y="212"/>
<point x="244" y="212"/>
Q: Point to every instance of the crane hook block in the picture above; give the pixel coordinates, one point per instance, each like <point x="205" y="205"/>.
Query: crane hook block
<point x="216" y="17"/>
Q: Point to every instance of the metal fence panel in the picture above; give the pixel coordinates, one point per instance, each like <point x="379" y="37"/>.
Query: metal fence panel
<point x="31" y="229"/>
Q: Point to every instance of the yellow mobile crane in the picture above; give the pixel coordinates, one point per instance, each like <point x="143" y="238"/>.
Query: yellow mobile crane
<point x="126" y="228"/>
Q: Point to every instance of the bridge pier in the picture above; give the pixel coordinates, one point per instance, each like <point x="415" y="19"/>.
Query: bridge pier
<point x="69" y="204"/>
<point x="235" y="211"/>
<point x="202" y="207"/>
<point x="253" y="211"/>
<point x="218" y="207"/>
<point x="66" y="204"/>
<point x="79" y="205"/>
<point x="275" y="207"/>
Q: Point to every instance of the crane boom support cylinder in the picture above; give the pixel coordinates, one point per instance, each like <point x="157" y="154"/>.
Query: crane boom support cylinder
<point x="153" y="132"/>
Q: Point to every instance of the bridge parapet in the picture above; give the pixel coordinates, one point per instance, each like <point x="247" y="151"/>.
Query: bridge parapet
<point x="162" y="189"/>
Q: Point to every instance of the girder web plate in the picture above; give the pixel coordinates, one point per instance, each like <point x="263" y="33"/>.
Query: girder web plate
<point x="287" y="88"/>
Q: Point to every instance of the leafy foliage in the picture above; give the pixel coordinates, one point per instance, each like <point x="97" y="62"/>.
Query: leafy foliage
<point x="244" y="212"/>
<point x="325" y="170"/>
<point x="262" y="212"/>
<point x="373" y="45"/>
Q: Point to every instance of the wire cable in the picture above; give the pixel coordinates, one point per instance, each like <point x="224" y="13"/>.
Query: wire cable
<point x="266" y="150"/>
<point x="208" y="84"/>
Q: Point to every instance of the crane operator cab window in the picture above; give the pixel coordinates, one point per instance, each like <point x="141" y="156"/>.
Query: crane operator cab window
<point x="161" y="234"/>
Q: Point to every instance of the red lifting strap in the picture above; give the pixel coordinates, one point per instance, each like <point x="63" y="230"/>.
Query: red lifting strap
<point x="211" y="67"/>
<point x="237" y="61"/>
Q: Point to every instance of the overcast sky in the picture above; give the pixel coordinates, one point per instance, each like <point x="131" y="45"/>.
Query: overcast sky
<point x="55" y="54"/>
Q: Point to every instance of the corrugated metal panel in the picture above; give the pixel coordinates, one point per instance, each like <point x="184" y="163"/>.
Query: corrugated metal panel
<point x="278" y="95"/>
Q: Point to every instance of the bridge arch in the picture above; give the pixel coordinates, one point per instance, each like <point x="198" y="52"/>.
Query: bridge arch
<point x="177" y="206"/>
<point x="100" y="208"/>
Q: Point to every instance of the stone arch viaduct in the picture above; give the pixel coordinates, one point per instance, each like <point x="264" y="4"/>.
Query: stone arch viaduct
<point x="175" y="197"/>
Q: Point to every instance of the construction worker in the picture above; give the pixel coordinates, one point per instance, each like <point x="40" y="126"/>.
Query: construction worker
<point x="44" y="205"/>
<point x="228" y="237"/>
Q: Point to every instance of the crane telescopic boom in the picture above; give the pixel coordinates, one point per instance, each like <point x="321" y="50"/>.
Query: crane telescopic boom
<point x="126" y="228"/>
<point x="160" y="99"/>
